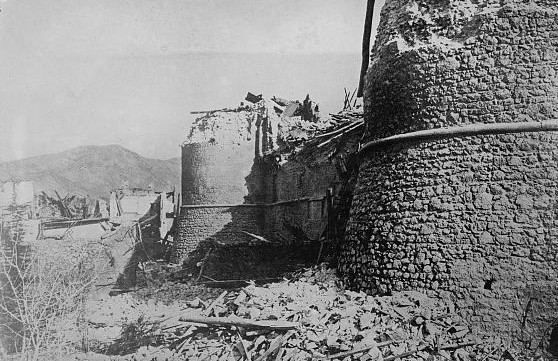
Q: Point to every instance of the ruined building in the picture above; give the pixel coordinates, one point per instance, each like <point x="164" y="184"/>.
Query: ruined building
<point x="451" y="185"/>
<point x="262" y="169"/>
<point x="462" y="201"/>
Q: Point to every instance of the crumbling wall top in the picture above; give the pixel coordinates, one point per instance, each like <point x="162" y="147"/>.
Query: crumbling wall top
<point x="275" y="122"/>
<point x="233" y="125"/>
<point x="444" y="24"/>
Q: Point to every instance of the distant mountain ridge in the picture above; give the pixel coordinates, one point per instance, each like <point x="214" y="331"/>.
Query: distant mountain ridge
<point x="93" y="171"/>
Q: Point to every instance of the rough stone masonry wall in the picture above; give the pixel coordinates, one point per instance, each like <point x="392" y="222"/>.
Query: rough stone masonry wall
<point x="219" y="224"/>
<point x="476" y="218"/>
<point x="298" y="180"/>
<point x="306" y="175"/>
<point x="215" y="195"/>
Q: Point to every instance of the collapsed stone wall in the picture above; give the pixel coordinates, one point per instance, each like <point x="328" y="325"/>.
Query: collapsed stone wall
<point x="475" y="218"/>
<point x="250" y="170"/>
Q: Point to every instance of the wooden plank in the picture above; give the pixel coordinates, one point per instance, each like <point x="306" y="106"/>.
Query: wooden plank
<point x="333" y="132"/>
<point x="359" y="350"/>
<point x="350" y="129"/>
<point x="240" y="322"/>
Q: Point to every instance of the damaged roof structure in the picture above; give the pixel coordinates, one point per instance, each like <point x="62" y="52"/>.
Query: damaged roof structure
<point x="286" y="123"/>
<point x="263" y="168"/>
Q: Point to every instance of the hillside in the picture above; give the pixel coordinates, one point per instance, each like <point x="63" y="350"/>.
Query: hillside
<point x="94" y="171"/>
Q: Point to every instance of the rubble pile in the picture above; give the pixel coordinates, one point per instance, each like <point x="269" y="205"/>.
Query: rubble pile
<point x="299" y="121"/>
<point x="311" y="317"/>
<point x="345" y="117"/>
<point x="233" y="125"/>
<point x="323" y="132"/>
<point x="286" y="126"/>
<point x="295" y="130"/>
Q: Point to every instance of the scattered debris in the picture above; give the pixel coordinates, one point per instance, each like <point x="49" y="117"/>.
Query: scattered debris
<point x="80" y="228"/>
<point x="71" y="206"/>
<point x="309" y="317"/>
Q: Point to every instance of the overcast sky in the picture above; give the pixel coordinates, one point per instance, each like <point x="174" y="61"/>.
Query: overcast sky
<point x="129" y="72"/>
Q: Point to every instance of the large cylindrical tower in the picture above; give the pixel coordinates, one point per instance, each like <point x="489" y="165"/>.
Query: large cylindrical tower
<point x="214" y="173"/>
<point x="469" y="210"/>
<point x="219" y="191"/>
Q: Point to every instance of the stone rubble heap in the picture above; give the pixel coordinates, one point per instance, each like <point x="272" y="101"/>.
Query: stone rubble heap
<point x="309" y="317"/>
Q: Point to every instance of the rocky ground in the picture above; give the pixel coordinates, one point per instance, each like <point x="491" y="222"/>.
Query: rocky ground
<point x="307" y="316"/>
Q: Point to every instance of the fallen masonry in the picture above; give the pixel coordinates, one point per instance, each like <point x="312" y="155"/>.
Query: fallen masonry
<point x="260" y="178"/>
<point x="402" y="202"/>
<point x="308" y="316"/>
<point x="436" y="203"/>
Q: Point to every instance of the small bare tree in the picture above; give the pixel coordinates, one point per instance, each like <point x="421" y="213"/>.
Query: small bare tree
<point x="43" y="296"/>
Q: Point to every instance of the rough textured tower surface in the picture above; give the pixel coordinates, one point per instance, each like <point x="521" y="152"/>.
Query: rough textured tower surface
<point x="474" y="218"/>
<point x="216" y="195"/>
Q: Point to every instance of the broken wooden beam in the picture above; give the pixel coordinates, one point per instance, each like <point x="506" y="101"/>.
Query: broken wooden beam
<point x="405" y="354"/>
<point x="359" y="350"/>
<point x="203" y="262"/>
<point x="347" y="130"/>
<point x="215" y="110"/>
<point x="240" y="322"/>
<point x="235" y="283"/>
<point x="255" y="236"/>
<point x="340" y="130"/>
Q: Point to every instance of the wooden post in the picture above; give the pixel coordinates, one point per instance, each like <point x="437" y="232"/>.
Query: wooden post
<point x="330" y="216"/>
<point x="366" y="45"/>
<point x="202" y="266"/>
<point x="330" y="227"/>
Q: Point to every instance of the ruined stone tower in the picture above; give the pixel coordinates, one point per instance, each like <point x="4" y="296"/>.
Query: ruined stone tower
<point x="234" y="183"/>
<point x="470" y="209"/>
<point x="216" y="200"/>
